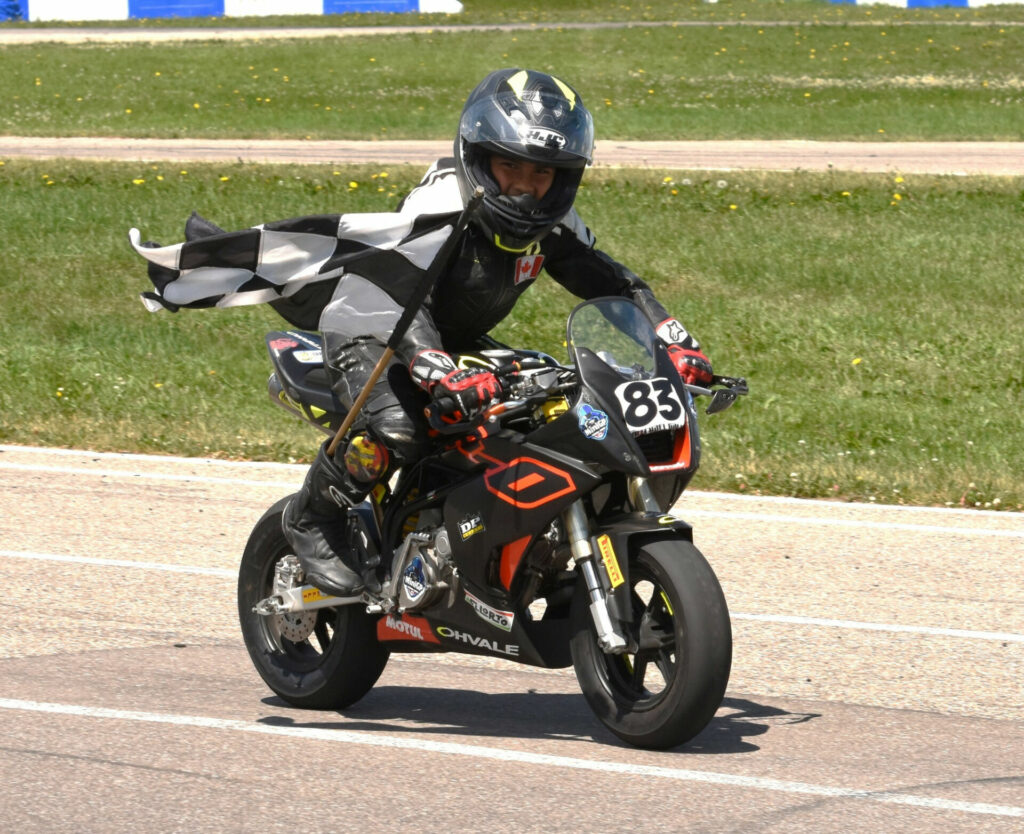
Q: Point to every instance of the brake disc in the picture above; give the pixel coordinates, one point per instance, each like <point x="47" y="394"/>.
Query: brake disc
<point x="296" y="626"/>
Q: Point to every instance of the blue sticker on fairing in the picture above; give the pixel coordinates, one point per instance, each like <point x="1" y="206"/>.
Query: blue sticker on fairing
<point x="593" y="422"/>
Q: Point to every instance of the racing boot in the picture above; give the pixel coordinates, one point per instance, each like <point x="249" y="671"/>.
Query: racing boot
<point x="315" y="522"/>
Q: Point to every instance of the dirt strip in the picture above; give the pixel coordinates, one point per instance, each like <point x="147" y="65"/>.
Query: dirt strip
<point x="958" y="158"/>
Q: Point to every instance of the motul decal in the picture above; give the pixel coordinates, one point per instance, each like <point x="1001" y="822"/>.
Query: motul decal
<point x="527" y="483"/>
<point x="405" y="628"/>
<point x="528" y="267"/>
<point x="283" y="344"/>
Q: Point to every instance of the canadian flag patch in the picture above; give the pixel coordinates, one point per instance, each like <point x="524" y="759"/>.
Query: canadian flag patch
<point x="528" y="267"/>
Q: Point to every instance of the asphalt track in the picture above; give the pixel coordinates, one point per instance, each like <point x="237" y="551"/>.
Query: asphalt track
<point x="877" y="681"/>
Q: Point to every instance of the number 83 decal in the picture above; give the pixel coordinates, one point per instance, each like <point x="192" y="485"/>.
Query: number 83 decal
<point x="650" y="405"/>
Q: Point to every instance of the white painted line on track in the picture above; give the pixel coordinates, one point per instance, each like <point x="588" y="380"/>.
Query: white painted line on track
<point x="517" y="757"/>
<point x="150" y="476"/>
<point x="685" y="512"/>
<point x="300" y="470"/>
<point x="1005" y="637"/>
<point x="852" y="625"/>
<point x="85" y="453"/>
<point x="196" y="570"/>
<point x="768" y="518"/>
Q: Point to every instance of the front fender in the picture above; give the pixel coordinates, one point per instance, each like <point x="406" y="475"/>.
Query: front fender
<point x="619" y="537"/>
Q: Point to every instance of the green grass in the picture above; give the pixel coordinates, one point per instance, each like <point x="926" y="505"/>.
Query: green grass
<point x="876" y="319"/>
<point x="928" y="81"/>
<point x="880" y="335"/>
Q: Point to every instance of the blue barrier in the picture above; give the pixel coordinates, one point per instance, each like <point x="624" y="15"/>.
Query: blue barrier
<point x="11" y="10"/>
<point x="920" y="4"/>
<point x="175" y="8"/>
<point x="122" y="9"/>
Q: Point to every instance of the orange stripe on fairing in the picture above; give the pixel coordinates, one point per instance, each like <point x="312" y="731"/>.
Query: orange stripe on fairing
<point x="511" y="556"/>
<point x="526" y="481"/>
<point x="681" y="453"/>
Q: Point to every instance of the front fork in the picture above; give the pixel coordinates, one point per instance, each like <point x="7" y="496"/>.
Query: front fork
<point x="609" y="638"/>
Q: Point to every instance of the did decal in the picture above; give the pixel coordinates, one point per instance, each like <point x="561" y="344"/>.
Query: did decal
<point x="471" y="526"/>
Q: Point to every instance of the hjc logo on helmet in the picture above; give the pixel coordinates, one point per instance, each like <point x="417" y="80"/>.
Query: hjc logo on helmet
<point x="545" y="138"/>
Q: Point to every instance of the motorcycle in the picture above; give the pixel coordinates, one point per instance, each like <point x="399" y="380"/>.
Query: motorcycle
<point x="537" y="533"/>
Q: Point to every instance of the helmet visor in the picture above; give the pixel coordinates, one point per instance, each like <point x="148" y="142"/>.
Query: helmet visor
<point x="533" y="125"/>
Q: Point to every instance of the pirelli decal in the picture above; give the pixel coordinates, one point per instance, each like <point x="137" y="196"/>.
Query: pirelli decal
<point x="611" y="564"/>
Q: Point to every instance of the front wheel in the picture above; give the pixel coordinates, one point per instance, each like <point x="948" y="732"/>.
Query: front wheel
<point x="668" y="691"/>
<point x="323" y="659"/>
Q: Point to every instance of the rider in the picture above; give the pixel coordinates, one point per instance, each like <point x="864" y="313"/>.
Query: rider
<point x="526" y="137"/>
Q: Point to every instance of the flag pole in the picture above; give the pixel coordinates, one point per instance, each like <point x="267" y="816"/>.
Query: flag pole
<point x="419" y="295"/>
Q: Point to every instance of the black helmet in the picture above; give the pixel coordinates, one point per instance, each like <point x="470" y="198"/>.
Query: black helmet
<point x="526" y="115"/>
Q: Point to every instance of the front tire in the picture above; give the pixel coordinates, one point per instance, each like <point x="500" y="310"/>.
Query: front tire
<point x="331" y="667"/>
<point x="668" y="691"/>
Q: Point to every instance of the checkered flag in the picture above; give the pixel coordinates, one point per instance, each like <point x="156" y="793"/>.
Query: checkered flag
<point x="274" y="261"/>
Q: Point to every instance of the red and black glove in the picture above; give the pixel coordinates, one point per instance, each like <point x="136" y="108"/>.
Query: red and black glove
<point x="460" y="394"/>
<point x="693" y="366"/>
<point x="463" y="394"/>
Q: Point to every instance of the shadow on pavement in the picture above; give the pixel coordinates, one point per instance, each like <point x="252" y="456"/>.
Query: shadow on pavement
<point x="436" y="711"/>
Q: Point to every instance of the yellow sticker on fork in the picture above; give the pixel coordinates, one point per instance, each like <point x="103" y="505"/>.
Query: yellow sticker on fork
<point x="611" y="564"/>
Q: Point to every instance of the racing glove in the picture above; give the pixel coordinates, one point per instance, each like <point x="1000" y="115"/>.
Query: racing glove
<point x="460" y="394"/>
<point x="693" y="366"/>
<point x="464" y="394"/>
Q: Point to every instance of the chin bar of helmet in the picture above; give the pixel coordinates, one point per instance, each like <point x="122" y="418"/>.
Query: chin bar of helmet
<point x="419" y="295"/>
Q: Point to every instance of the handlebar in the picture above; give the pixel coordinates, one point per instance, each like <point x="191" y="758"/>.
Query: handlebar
<point x="732" y="387"/>
<point x="721" y="398"/>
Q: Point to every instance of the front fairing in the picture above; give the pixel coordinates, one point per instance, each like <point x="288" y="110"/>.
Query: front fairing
<point x="614" y="347"/>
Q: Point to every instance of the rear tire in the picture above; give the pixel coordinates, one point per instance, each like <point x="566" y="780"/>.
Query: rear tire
<point x="331" y="668"/>
<point x="668" y="691"/>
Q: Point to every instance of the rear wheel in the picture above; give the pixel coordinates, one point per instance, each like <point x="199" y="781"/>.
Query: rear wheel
<point x="324" y="659"/>
<point x="668" y="691"/>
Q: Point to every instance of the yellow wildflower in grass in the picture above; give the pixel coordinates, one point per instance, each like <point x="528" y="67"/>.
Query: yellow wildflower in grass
<point x="857" y="361"/>
<point x="195" y="105"/>
<point x="353" y="184"/>
<point x="138" y="181"/>
<point x="225" y="178"/>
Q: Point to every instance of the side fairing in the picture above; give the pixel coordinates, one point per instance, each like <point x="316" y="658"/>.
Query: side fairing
<point x="496" y="514"/>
